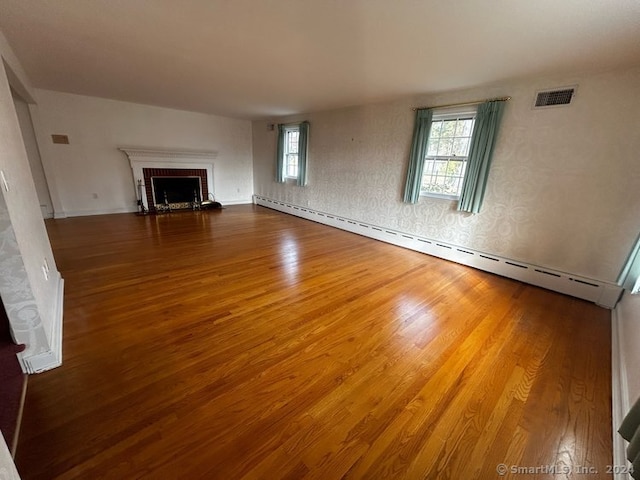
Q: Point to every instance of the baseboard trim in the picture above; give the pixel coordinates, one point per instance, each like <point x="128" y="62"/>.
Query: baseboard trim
<point x="244" y="201"/>
<point x="51" y="358"/>
<point x="89" y="213"/>
<point x="602" y="293"/>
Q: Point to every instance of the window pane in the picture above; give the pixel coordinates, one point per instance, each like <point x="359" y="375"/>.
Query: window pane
<point x="448" y="128"/>
<point x="450" y="188"/>
<point x="454" y="168"/>
<point x="292" y="165"/>
<point x="432" y="147"/>
<point x="292" y="142"/>
<point x="445" y="147"/>
<point x="463" y="127"/>
<point x="443" y="176"/>
<point x="435" y="128"/>
<point x="461" y="147"/>
<point x="440" y="167"/>
<point x="428" y="167"/>
<point x="467" y="127"/>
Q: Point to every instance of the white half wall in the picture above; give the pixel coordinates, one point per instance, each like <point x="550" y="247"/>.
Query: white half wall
<point x="562" y="192"/>
<point x="92" y="176"/>
<point x="30" y="284"/>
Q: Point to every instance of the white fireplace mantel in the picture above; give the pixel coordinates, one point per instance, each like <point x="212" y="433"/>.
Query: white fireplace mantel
<point x="141" y="158"/>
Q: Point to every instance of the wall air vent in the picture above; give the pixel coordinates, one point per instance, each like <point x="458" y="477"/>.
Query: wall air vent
<point x="554" y="98"/>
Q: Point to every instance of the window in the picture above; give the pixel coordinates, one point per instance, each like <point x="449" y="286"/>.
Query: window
<point x="447" y="151"/>
<point x="291" y="136"/>
<point x="291" y="153"/>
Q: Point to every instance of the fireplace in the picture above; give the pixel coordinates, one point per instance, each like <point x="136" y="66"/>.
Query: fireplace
<point x="174" y="188"/>
<point x="185" y="175"/>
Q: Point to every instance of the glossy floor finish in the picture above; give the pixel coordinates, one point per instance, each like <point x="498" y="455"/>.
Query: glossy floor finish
<point x="246" y="343"/>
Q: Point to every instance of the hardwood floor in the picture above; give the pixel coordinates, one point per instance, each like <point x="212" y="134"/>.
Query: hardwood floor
<point x="246" y="343"/>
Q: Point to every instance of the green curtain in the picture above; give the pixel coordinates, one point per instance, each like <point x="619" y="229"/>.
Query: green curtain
<point x="280" y="173"/>
<point x="483" y="143"/>
<point x="303" y="142"/>
<point x="630" y="275"/>
<point x="421" y="131"/>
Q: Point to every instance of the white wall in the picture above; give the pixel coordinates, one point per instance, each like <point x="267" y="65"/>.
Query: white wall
<point x="33" y="154"/>
<point x="91" y="165"/>
<point x="562" y="191"/>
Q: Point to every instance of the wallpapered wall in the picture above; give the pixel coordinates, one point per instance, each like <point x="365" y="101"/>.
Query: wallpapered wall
<point x="562" y="192"/>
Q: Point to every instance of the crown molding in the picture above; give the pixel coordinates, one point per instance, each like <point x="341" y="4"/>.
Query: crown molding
<point x="138" y="153"/>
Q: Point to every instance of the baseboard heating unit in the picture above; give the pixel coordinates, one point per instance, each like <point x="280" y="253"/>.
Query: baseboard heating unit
<point x="602" y="293"/>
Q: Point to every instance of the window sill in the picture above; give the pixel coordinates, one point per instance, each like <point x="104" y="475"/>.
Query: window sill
<point x="451" y="198"/>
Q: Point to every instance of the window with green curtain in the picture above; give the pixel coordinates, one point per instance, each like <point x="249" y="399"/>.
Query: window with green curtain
<point x="630" y="276"/>
<point x="458" y="157"/>
<point x="483" y="141"/>
<point x="291" y="153"/>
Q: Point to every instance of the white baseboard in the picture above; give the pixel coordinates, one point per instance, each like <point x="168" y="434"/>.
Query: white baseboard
<point x="602" y="293"/>
<point x="619" y="393"/>
<point x="242" y="201"/>
<point x="51" y="358"/>
<point x="87" y="213"/>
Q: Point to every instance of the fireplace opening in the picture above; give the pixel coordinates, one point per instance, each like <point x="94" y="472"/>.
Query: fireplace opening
<point x="176" y="190"/>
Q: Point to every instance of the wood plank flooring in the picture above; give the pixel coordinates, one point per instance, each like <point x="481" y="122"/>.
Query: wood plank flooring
<point x="249" y="344"/>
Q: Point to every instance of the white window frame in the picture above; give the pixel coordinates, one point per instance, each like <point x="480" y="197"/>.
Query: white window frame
<point x="287" y="153"/>
<point x="449" y="114"/>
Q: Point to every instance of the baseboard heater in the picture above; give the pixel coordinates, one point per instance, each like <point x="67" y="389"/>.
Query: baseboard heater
<point x="602" y="293"/>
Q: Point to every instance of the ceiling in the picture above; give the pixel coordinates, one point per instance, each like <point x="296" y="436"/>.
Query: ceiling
<point x="263" y="58"/>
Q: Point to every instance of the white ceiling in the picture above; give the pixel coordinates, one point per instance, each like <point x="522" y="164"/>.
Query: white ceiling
<point x="257" y="58"/>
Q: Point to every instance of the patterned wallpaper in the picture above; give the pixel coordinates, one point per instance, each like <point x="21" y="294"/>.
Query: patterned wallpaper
<point x="15" y="288"/>
<point x="562" y="193"/>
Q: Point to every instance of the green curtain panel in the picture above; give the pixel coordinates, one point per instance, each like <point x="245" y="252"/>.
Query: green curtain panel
<point x="280" y="173"/>
<point x="630" y="275"/>
<point x="483" y="143"/>
<point x="630" y="431"/>
<point x="303" y="142"/>
<point x="421" y="131"/>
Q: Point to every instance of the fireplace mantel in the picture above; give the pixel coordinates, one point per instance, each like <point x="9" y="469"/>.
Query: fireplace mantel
<point x="152" y="154"/>
<point x="141" y="158"/>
